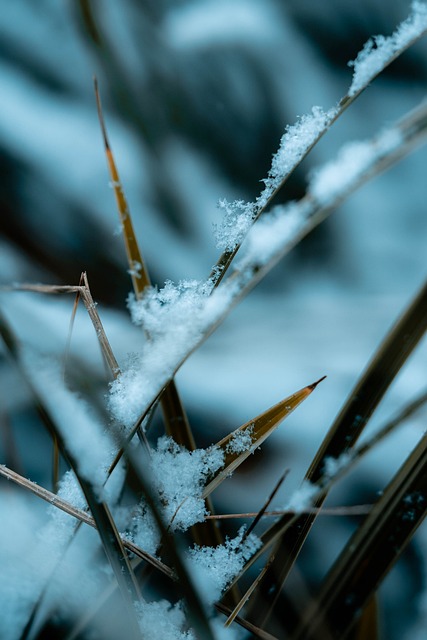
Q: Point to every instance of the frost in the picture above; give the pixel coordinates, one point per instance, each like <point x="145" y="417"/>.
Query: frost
<point x="215" y="567"/>
<point x="179" y="476"/>
<point x="295" y="143"/>
<point x="162" y="620"/>
<point x="176" y="318"/>
<point x="241" y="441"/>
<point x="141" y="528"/>
<point x="379" y="50"/>
<point x="136" y="269"/>
<point x="353" y="161"/>
<point x="236" y="222"/>
<point x="302" y="498"/>
<point x="333" y="466"/>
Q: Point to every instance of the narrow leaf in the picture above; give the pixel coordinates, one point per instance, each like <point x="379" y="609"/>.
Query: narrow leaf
<point x="253" y="433"/>
<point x="342" y="436"/>
<point x="371" y="552"/>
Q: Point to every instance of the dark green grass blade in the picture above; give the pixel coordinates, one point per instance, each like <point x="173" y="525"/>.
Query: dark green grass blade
<point x="343" y="435"/>
<point x="371" y="552"/>
<point x="107" y="530"/>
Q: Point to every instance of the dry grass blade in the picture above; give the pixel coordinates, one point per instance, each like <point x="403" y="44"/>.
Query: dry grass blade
<point x="82" y="291"/>
<point x="105" y="525"/>
<point x="137" y="268"/>
<point x="371" y="552"/>
<point x="265" y="506"/>
<point x="221" y="267"/>
<point x="367" y="627"/>
<point x="253" y="433"/>
<point x="81" y="516"/>
<point x="342" y="436"/>
<point x="245" y="624"/>
<point x="351" y="510"/>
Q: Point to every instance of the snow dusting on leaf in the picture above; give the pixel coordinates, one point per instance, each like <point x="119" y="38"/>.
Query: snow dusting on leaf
<point x="216" y="567"/>
<point x="379" y="50"/>
<point x="179" y="476"/>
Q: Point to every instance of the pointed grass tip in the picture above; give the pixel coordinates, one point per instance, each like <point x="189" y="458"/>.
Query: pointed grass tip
<point x="100" y="114"/>
<point x="314" y="385"/>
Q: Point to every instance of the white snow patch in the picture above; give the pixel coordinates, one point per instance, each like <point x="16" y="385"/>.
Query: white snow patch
<point x="302" y="498"/>
<point x="179" y="477"/>
<point x="162" y="620"/>
<point x="379" y="50"/>
<point x="215" y="567"/>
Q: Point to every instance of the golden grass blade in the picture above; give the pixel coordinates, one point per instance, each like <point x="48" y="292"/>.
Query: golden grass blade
<point x="255" y="432"/>
<point x="368" y="628"/>
<point x="342" y="436"/>
<point x="224" y="261"/>
<point x="137" y="268"/>
<point x="245" y="624"/>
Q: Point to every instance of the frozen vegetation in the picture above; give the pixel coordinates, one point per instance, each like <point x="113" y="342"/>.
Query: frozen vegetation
<point x="151" y="491"/>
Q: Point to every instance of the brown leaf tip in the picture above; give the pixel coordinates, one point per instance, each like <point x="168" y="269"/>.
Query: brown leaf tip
<point x="314" y="385"/>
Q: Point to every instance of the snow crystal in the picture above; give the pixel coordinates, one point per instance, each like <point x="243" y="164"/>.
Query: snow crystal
<point x="294" y="144"/>
<point x="302" y="498"/>
<point x="241" y="441"/>
<point x="236" y="222"/>
<point x="176" y="319"/>
<point x="336" y="178"/>
<point x="179" y="476"/>
<point x="142" y="528"/>
<point x="333" y="466"/>
<point x="214" y="568"/>
<point x="379" y="50"/>
<point x="162" y="620"/>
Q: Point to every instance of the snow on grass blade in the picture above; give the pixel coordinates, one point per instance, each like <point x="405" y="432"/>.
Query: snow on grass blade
<point x="176" y="421"/>
<point x="176" y="338"/>
<point x="80" y="515"/>
<point x="300" y="138"/>
<point x="341" y="438"/>
<point x="239" y="444"/>
<point x="371" y="552"/>
<point x="106" y="528"/>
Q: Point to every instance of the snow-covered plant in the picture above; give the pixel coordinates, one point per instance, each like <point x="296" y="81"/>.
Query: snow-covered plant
<point x="130" y="545"/>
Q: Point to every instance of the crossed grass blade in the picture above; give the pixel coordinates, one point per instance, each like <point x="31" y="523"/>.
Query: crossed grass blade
<point x="342" y="436"/>
<point x="175" y="417"/>
<point x="226" y="258"/>
<point x="105" y="525"/>
<point x="371" y="552"/>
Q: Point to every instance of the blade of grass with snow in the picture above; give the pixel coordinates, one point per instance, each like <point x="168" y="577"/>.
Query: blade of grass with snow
<point x="371" y="552"/>
<point x="242" y="442"/>
<point x="342" y="436"/>
<point x="107" y="530"/>
<point x="300" y="138"/>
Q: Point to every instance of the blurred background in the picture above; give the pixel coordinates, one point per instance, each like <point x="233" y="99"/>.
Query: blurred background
<point x="196" y="96"/>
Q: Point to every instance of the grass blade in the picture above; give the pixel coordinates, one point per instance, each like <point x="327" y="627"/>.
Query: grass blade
<point x="108" y="533"/>
<point x="253" y="434"/>
<point x="342" y="436"/>
<point x="372" y="551"/>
